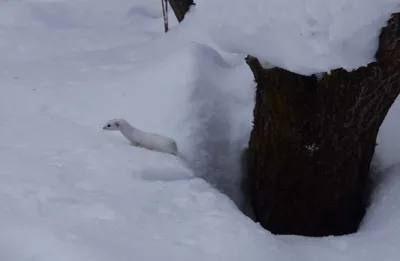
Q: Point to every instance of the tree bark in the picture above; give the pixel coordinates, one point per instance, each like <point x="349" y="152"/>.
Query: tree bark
<point x="313" y="140"/>
<point x="180" y="8"/>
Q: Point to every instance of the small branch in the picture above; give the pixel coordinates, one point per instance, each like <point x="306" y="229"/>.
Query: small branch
<point x="164" y="5"/>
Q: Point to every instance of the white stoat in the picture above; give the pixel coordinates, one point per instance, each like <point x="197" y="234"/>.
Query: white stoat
<point x="141" y="138"/>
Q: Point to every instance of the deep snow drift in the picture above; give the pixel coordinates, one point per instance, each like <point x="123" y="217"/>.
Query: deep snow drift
<point x="303" y="36"/>
<point x="70" y="191"/>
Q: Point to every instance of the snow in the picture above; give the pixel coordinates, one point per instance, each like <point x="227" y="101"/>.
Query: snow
<point x="71" y="191"/>
<point x="303" y="36"/>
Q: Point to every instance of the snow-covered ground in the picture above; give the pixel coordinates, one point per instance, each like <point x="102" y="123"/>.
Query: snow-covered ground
<point x="303" y="36"/>
<point x="71" y="191"/>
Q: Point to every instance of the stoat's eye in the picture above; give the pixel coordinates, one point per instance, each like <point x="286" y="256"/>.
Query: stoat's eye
<point x="108" y="125"/>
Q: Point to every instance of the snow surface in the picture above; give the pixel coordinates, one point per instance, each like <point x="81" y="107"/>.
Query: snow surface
<point x="70" y="191"/>
<point x="303" y="36"/>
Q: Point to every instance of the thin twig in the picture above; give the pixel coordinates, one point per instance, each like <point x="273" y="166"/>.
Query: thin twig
<point x="164" y="5"/>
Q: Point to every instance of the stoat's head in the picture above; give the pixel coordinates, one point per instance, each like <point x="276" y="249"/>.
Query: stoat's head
<point x="114" y="124"/>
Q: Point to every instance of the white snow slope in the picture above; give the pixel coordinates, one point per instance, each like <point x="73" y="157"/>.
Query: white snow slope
<point x="70" y="191"/>
<point x="303" y="36"/>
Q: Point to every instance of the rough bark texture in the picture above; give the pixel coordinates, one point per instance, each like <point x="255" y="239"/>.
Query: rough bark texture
<point x="313" y="141"/>
<point x="180" y="8"/>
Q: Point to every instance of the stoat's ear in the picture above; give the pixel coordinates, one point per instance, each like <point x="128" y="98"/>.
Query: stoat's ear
<point x="117" y="124"/>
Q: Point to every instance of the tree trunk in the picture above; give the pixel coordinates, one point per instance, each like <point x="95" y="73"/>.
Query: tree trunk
<point x="180" y="7"/>
<point x="313" y="141"/>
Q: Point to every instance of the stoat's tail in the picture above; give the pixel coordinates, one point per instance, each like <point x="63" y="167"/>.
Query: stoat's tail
<point x="180" y="155"/>
<point x="184" y="159"/>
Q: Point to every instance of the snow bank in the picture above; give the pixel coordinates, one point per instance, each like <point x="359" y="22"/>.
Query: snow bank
<point x="70" y="191"/>
<point x="303" y="36"/>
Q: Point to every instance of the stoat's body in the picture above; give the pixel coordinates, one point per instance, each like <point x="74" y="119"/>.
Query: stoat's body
<point x="141" y="138"/>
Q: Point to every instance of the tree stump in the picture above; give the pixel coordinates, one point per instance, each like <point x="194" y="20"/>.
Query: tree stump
<point x="313" y="140"/>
